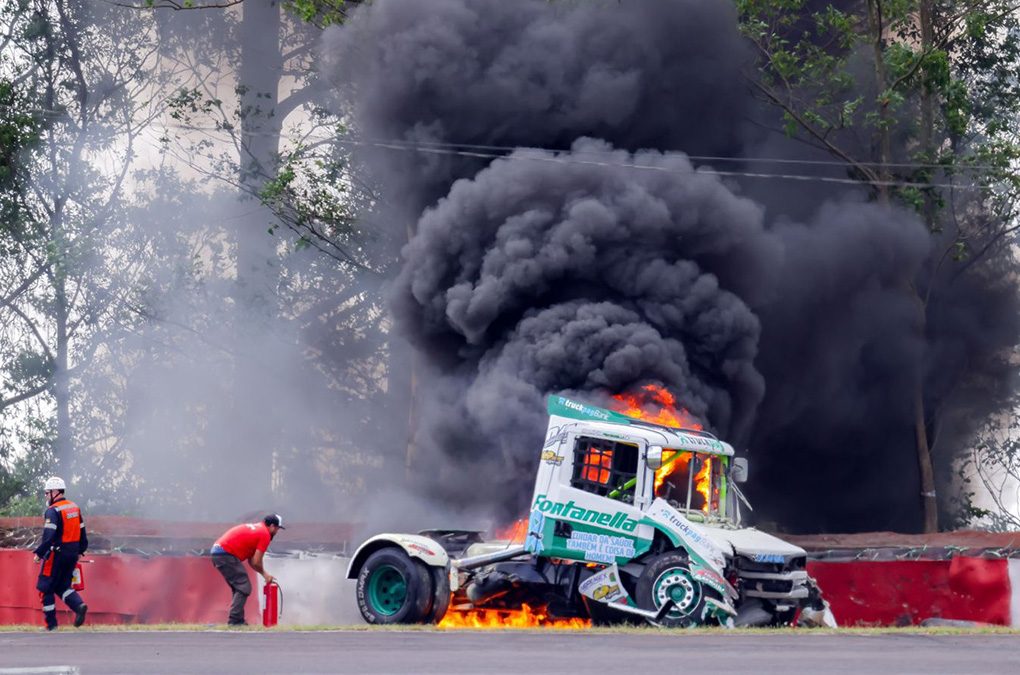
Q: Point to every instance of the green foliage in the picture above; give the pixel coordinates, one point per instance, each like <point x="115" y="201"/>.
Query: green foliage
<point x="21" y="475"/>
<point x="321" y="13"/>
<point x="815" y="64"/>
<point x="310" y="194"/>
<point x="19" y="133"/>
<point x="68" y="128"/>
<point x="21" y="505"/>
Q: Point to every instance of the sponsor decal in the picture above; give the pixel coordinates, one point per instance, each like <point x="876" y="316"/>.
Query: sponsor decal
<point x="712" y="579"/>
<point x="598" y="413"/>
<point x="769" y="558"/>
<point x="601" y="548"/>
<point x="613" y="521"/>
<point x="700" y="440"/>
<point x="550" y="457"/>
<point x="690" y="534"/>
<point x="533" y="542"/>
<point x="696" y="542"/>
<point x="605" y="587"/>
<point x="420" y="548"/>
<point x="555" y="437"/>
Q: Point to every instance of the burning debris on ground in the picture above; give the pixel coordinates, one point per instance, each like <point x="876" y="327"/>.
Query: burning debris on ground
<point x="526" y="617"/>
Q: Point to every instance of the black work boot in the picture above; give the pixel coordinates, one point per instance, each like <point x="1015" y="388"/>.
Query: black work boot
<point x="79" y="615"/>
<point x="50" y="615"/>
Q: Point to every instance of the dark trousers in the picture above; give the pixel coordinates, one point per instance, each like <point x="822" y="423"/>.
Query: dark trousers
<point x="233" y="571"/>
<point x="54" y="580"/>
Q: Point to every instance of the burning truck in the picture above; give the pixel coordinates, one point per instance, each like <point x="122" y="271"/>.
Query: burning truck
<point x="630" y="520"/>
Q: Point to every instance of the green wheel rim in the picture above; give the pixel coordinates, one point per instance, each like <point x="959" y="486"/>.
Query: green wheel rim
<point x="387" y="590"/>
<point x="677" y="585"/>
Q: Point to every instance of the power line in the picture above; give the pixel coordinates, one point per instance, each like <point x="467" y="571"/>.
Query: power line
<point x="566" y="157"/>
<point x="569" y="157"/>
<point x="508" y="149"/>
<point x="573" y="159"/>
<point x="708" y="158"/>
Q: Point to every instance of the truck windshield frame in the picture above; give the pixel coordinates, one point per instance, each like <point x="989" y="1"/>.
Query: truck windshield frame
<point x="697" y="494"/>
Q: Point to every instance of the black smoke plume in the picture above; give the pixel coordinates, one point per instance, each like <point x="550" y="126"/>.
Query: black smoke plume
<point x="608" y="260"/>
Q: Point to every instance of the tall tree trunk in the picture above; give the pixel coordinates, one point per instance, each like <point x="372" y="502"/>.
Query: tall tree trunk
<point x="258" y="85"/>
<point x="929" y="503"/>
<point x="884" y="140"/>
<point x="259" y="72"/>
<point x="64" y="442"/>
<point x="884" y="152"/>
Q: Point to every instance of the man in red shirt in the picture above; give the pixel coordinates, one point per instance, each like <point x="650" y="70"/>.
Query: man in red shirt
<point x="247" y="542"/>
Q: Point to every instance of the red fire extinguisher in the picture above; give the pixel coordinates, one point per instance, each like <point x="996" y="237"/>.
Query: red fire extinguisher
<point x="78" y="576"/>
<point x="272" y="608"/>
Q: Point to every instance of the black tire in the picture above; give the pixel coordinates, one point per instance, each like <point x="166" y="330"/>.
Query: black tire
<point x="393" y="588"/>
<point x="668" y="575"/>
<point x="440" y="596"/>
<point x="602" y="615"/>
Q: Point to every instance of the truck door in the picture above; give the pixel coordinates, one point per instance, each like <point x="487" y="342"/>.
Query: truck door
<point x="589" y="513"/>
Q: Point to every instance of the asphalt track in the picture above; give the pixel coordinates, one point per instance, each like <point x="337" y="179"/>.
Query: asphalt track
<point x="509" y="652"/>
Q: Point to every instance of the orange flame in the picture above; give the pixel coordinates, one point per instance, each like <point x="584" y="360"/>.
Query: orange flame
<point x="526" y="617"/>
<point x="514" y="533"/>
<point x="702" y="483"/>
<point x="657" y="404"/>
<point x="598" y="463"/>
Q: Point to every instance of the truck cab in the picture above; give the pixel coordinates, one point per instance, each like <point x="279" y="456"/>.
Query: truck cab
<point x="612" y="489"/>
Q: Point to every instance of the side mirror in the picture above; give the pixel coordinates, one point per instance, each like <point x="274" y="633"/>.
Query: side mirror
<point x="653" y="457"/>
<point x="738" y="470"/>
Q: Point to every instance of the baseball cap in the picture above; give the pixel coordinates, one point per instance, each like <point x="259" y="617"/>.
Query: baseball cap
<point x="274" y="519"/>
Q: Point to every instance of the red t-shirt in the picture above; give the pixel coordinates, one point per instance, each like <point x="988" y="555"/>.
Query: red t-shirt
<point x="243" y="540"/>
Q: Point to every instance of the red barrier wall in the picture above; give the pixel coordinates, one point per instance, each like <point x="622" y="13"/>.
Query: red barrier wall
<point x="187" y="589"/>
<point x="125" y="589"/>
<point x="905" y="592"/>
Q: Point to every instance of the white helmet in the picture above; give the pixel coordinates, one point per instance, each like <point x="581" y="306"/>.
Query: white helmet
<point x="54" y="483"/>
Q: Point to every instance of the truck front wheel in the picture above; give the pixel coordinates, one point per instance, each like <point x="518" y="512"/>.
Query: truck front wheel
<point x="668" y="577"/>
<point x="393" y="588"/>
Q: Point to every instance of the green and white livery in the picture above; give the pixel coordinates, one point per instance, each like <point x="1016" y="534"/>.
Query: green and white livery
<point x="628" y="520"/>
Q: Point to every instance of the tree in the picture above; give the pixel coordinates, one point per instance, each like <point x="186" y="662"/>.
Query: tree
<point x="65" y="261"/>
<point x="993" y="464"/>
<point x="918" y="100"/>
<point x="244" y="118"/>
<point x="19" y="131"/>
